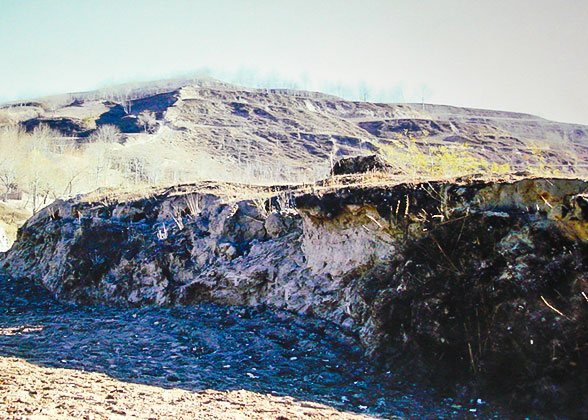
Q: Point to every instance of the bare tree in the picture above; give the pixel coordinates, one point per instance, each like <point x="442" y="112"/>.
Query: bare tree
<point x="148" y="121"/>
<point x="43" y="139"/>
<point x="106" y="134"/>
<point x="10" y="156"/>
<point x="99" y="160"/>
<point x="364" y="92"/>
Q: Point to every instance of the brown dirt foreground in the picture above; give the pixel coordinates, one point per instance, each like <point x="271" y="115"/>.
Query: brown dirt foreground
<point x="31" y="392"/>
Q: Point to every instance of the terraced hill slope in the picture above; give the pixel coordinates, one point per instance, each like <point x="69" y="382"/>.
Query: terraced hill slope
<point x="289" y="135"/>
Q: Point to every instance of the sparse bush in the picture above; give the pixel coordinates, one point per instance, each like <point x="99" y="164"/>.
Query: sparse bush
<point x="415" y="160"/>
<point x="106" y="134"/>
<point x="194" y="205"/>
<point x="28" y="162"/>
<point x="5" y="119"/>
<point x="89" y="123"/>
<point x="147" y="120"/>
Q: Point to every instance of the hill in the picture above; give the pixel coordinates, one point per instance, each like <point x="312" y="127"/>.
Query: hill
<point x="286" y="135"/>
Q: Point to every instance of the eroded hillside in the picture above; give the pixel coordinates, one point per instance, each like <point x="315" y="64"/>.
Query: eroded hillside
<point x="272" y="134"/>
<point x="172" y="132"/>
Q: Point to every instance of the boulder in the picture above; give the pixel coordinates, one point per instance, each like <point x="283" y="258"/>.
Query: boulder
<point x="360" y="165"/>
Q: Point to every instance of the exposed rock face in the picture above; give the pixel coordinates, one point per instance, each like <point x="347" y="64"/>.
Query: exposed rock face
<point x="483" y="279"/>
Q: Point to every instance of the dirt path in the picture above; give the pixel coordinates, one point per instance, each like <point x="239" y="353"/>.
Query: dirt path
<point x="204" y="362"/>
<point x="33" y="392"/>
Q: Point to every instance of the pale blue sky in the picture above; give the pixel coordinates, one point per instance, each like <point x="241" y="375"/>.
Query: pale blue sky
<point x="519" y="55"/>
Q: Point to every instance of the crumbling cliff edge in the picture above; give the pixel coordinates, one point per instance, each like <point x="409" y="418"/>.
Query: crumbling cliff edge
<point x="486" y="281"/>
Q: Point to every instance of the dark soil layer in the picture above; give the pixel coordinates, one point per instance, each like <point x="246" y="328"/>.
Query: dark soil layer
<point x="66" y="126"/>
<point x="213" y="347"/>
<point x="496" y="301"/>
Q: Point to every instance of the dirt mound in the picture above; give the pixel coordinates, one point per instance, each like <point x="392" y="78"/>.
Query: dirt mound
<point x="361" y="165"/>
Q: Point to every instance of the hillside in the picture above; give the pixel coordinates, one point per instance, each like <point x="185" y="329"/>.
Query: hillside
<point x="277" y="135"/>
<point x="182" y="131"/>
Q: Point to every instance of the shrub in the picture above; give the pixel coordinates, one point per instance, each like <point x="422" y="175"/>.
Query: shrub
<point x="430" y="160"/>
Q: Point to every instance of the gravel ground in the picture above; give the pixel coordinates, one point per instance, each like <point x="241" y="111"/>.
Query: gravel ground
<point x="203" y="362"/>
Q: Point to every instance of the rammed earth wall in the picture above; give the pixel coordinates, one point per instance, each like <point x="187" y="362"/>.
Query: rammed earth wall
<point x="483" y="280"/>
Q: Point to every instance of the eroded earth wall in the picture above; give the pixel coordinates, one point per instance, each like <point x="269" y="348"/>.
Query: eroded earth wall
<point x="475" y="279"/>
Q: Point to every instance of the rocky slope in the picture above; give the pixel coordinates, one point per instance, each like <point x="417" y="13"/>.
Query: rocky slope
<point x="284" y="134"/>
<point x="479" y="281"/>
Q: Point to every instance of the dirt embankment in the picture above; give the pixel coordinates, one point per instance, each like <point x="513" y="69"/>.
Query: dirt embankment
<point x="483" y="281"/>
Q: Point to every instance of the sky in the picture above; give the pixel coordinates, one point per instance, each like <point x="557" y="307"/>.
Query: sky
<point x="516" y="55"/>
